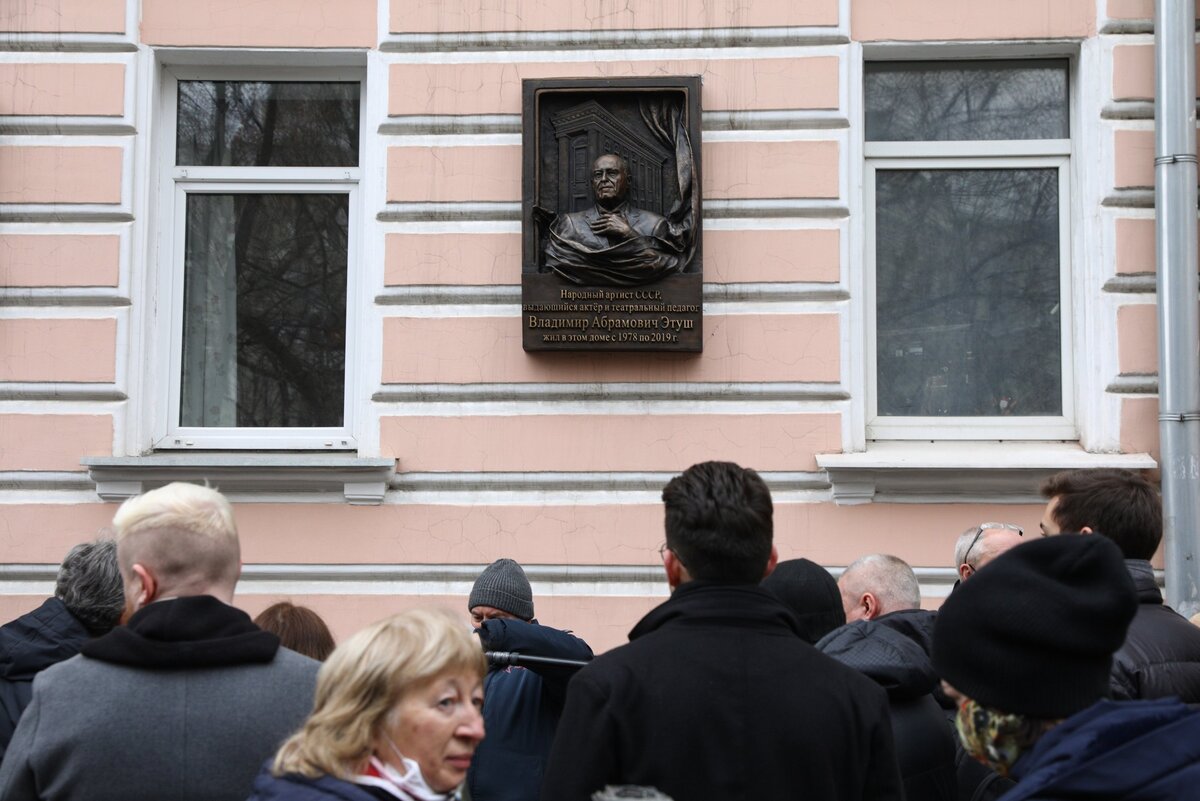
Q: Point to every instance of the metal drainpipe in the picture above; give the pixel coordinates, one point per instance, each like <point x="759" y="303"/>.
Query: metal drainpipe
<point x="1178" y="296"/>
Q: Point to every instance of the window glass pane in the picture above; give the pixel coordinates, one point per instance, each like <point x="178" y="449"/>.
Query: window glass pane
<point x="264" y="310"/>
<point x="267" y="124"/>
<point x="955" y="100"/>
<point x="968" y="314"/>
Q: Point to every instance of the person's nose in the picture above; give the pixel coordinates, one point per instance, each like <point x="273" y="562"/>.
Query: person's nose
<point x="471" y="727"/>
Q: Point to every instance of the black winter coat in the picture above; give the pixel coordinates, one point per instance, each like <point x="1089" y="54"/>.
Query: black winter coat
<point x="717" y="698"/>
<point x="1161" y="654"/>
<point x="28" y="645"/>
<point x="924" y="741"/>
<point x="521" y="707"/>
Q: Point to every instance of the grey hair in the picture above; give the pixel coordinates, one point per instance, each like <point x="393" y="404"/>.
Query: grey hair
<point x="89" y="585"/>
<point x="964" y="543"/>
<point x="889" y="578"/>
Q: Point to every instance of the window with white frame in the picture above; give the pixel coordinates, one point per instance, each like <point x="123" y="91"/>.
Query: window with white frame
<point x="967" y="187"/>
<point x="262" y="194"/>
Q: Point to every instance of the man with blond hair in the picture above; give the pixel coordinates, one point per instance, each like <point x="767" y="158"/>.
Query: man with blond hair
<point x="188" y="698"/>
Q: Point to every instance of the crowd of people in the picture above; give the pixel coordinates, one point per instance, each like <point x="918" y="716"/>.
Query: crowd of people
<point x="1053" y="670"/>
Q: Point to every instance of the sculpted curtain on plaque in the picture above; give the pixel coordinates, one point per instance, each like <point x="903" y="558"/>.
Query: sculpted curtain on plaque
<point x="613" y="242"/>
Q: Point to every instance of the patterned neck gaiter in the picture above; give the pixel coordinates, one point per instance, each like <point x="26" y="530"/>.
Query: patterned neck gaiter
<point x="997" y="739"/>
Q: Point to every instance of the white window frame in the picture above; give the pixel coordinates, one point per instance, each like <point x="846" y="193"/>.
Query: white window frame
<point x="971" y="155"/>
<point x="174" y="185"/>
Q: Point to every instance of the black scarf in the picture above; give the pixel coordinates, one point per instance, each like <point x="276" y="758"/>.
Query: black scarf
<point x="182" y="633"/>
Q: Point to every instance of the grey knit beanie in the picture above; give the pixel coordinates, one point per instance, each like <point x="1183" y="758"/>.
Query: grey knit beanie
<point x="503" y="585"/>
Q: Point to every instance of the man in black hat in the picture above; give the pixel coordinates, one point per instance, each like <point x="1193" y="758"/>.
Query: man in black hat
<point x="716" y="696"/>
<point x="521" y="704"/>
<point x="1026" y="647"/>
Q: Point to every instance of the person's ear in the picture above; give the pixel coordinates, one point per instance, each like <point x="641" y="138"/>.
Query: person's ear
<point x="772" y="561"/>
<point x="965" y="572"/>
<point x="674" y="568"/>
<point x="870" y="605"/>
<point x="1086" y="530"/>
<point x="149" y="588"/>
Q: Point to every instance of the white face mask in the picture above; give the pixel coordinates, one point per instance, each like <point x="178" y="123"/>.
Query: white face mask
<point x="411" y="783"/>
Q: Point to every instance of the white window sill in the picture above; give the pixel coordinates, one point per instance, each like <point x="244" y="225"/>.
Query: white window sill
<point x="358" y="481"/>
<point x="959" y="472"/>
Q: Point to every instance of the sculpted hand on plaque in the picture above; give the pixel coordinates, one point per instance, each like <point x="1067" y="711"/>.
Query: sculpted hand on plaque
<point x="613" y="242"/>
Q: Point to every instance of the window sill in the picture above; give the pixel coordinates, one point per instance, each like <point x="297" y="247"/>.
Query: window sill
<point x="359" y="481"/>
<point x="959" y="472"/>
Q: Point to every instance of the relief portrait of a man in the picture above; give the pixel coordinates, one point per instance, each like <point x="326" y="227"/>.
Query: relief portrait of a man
<point x="613" y="242"/>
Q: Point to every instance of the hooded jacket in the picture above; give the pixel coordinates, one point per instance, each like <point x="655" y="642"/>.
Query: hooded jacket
<point x="717" y="698"/>
<point x="1161" y="654"/>
<point x="924" y="742"/>
<point x="1128" y="750"/>
<point x="28" y="645"/>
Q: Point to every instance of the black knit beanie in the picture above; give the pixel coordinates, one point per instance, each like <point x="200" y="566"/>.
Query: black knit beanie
<point x="811" y="593"/>
<point x="1034" y="631"/>
<point x="502" y="585"/>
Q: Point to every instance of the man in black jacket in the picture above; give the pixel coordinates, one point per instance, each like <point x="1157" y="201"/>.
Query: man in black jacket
<point x="88" y="601"/>
<point x="716" y="696"/>
<point x="522" y="703"/>
<point x="1161" y="654"/>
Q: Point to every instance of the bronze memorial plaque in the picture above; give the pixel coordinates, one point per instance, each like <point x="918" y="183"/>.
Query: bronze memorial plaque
<point x="611" y="255"/>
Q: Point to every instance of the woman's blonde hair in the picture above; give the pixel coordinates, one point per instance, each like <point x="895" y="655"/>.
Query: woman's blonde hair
<point x="363" y="680"/>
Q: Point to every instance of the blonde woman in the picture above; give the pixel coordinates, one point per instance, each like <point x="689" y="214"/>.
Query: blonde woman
<point x="397" y="715"/>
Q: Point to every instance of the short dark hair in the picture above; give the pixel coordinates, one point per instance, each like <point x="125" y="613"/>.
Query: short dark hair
<point x="89" y="585"/>
<point x="1120" y="504"/>
<point x="298" y="628"/>
<point x="719" y="522"/>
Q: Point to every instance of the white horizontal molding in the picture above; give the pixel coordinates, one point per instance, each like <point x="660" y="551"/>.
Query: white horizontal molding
<point x="445" y="580"/>
<point x="68" y="42"/>
<point x="510" y="294"/>
<point x="54" y="391"/>
<point x="359" y="481"/>
<point x="1129" y="199"/>
<point x="66" y="296"/>
<point x="20" y="480"/>
<point x="666" y="38"/>
<point x="578" y="481"/>
<point x="1134" y="384"/>
<point x="64" y="212"/>
<point x="1134" y="283"/>
<point x="959" y="472"/>
<point x="65" y="126"/>
<point x="474" y="124"/>
<point x="537" y="393"/>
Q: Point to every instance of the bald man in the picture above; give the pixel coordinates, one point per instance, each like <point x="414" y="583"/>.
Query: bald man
<point x="187" y="699"/>
<point x="981" y="544"/>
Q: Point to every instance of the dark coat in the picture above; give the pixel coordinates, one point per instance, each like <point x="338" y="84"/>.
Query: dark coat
<point x="976" y="781"/>
<point x="1128" y="750"/>
<point x="924" y="740"/>
<point x="521" y="707"/>
<point x="716" y="698"/>
<point x="1161" y="654"/>
<point x="28" y="645"/>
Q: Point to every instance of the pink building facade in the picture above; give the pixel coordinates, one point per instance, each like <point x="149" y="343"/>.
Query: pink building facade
<point x="849" y="177"/>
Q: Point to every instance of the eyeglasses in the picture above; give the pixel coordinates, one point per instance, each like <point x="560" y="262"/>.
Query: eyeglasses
<point x="982" y="527"/>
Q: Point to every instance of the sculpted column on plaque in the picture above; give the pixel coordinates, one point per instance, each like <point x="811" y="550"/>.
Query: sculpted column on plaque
<point x="612" y="201"/>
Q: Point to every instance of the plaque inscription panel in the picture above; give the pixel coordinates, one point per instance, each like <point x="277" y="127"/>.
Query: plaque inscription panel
<point x="611" y="219"/>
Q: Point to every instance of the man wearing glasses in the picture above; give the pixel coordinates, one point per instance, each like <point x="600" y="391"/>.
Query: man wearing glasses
<point x="981" y="544"/>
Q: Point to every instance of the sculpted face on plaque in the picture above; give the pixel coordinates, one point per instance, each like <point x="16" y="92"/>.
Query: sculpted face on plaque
<point x="613" y="243"/>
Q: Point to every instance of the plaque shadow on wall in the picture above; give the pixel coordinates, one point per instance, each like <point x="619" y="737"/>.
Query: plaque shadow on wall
<point x="611" y="215"/>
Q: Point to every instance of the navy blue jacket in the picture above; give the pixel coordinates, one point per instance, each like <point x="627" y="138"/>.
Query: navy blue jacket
<point x="521" y="708"/>
<point x="1128" y="750"/>
<point x="28" y="645"/>
<point x="300" y="788"/>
